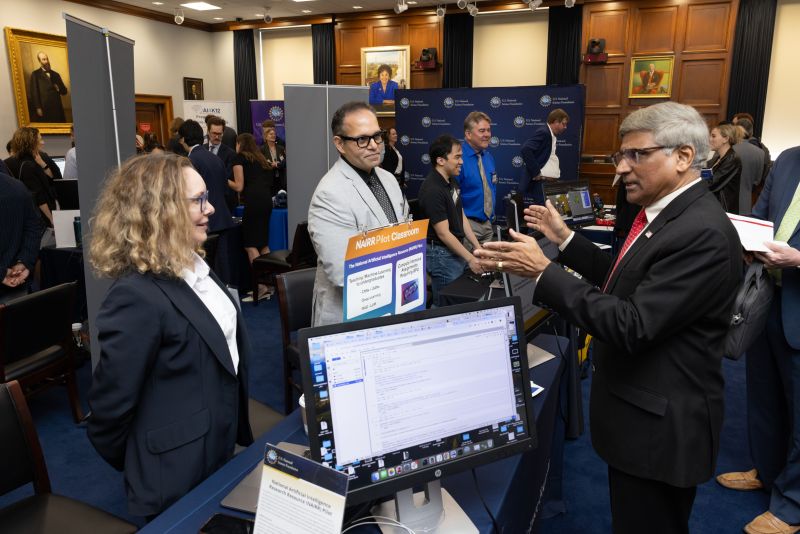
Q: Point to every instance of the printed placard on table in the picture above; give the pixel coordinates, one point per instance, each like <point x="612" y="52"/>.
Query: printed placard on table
<point x="299" y="495"/>
<point x="384" y="271"/>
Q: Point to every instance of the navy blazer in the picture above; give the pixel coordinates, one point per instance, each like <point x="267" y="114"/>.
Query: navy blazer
<point x="772" y="204"/>
<point x="657" y="390"/>
<point x="212" y="169"/>
<point x="226" y="154"/>
<point x="535" y="153"/>
<point x="167" y="405"/>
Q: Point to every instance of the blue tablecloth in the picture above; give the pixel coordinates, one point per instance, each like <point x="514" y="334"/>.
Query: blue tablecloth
<point x="515" y="488"/>
<point x="279" y="229"/>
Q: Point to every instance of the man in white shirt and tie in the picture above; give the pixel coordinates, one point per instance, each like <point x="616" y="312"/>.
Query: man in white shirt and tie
<point x="539" y="155"/>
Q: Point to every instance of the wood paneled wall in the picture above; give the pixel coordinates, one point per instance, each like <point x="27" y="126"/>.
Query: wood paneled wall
<point x="387" y="29"/>
<point x="699" y="33"/>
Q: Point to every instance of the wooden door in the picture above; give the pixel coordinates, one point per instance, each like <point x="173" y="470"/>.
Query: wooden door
<point x="153" y="114"/>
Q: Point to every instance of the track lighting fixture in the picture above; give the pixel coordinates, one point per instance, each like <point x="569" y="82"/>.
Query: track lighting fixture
<point x="569" y="3"/>
<point x="462" y="4"/>
<point x="472" y="9"/>
<point x="440" y="11"/>
<point x="400" y="7"/>
<point x="179" y="18"/>
<point x="267" y="16"/>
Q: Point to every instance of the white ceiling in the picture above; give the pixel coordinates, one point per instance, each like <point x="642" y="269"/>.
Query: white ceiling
<point x="249" y="9"/>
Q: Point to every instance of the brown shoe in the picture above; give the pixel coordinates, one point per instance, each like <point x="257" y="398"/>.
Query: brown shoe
<point x="742" y="481"/>
<point x="767" y="523"/>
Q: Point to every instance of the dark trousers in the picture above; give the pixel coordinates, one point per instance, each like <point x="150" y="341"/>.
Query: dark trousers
<point x="643" y="505"/>
<point x="773" y="415"/>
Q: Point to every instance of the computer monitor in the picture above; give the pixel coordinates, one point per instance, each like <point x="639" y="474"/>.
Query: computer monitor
<point x="400" y="401"/>
<point x="572" y="200"/>
<point x="61" y="163"/>
<point x="67" y="194"/>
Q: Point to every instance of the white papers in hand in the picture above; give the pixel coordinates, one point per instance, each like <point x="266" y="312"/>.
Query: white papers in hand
<point x="752" y="232"/>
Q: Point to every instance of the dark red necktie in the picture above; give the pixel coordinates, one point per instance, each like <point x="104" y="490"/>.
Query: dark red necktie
<point x="636" y="228"/>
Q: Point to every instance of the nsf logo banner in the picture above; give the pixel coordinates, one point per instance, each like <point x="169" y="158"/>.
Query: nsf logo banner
<point x="273" y="110"/>
<point x="423" y="114"/>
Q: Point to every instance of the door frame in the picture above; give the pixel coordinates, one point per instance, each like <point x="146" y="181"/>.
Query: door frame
<point x="159" y="100"/>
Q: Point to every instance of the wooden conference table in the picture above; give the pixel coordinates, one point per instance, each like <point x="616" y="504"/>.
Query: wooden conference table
<point x="515" y="489"/>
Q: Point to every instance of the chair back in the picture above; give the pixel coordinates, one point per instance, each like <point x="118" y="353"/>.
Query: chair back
<point x="303" y="253"/>
<point x="414" y="209"/>
<point x="36" y="322"/>
<point x="21" y="459"/>
<point x="295" y="300"/>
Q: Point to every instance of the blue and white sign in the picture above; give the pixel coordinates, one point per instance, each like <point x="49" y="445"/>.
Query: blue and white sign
<point x="516" y="112"/>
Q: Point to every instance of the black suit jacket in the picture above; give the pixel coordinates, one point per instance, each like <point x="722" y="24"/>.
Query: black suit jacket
<point x="226" y="154"/>
<point x="167" y="405"/>
<point x="279" y="173"/>
<point x="535" y="153"/>
<point x="657" y="391"/>
<point x="46" y="95"/>
<point x="726" y="178"/>
<point x="213" y="171"/>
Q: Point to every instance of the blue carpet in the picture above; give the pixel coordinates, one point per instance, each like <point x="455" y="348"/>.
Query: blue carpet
<point x="78" y="472"/>
<point x="716" y="509"/>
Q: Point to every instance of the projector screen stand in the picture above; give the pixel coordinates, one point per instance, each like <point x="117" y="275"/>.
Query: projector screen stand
<point x="432" y="511"/>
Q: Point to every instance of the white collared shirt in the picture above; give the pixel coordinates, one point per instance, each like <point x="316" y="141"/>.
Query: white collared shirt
<point x="551" y="169"/>
<point x="216" y="301"/>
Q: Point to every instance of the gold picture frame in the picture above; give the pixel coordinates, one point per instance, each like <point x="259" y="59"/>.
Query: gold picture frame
<point x="40" y="80"/>
<point x="398" y="59"/>
<point x="651" y="77"/>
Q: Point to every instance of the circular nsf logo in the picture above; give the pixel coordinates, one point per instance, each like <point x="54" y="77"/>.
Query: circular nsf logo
<point x="276" y="113"/>
<point x="545" y="100"/>
<point x="495" y="101"/>
<point x="405" y="140"/>
<point x="449" y="102"/>
<point x="404" y="103"/>
<point x="272" y="457"/>
<point x="426" y="121"/>
<point x="426" y="159"/>
<point x="494" y="141"/>
<point x="519" y="121"/>
<point x="517" y="161"/>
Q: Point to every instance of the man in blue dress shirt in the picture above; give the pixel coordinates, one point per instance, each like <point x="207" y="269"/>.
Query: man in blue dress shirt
<point x="478" y="179"/>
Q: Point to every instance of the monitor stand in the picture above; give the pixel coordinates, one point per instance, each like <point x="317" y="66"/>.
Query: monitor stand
<point x="432" y="511"/>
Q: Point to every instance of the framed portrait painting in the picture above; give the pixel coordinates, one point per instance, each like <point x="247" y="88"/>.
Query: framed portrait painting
<point x="40" y="80"/>
<point x="384" y="69"/>
<point x="651" y="77"/>
<point x="193" y="89"/>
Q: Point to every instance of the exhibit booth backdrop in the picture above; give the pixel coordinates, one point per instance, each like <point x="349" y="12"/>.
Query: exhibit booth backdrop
<point x="273" y="110"/>
<point x="198" y="109"/>
<point x="424" y="114"/>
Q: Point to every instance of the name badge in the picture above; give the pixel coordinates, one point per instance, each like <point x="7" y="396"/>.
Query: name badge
<point x="494" y="177"/>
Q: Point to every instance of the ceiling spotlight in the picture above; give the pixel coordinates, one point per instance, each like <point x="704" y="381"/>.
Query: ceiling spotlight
<point x="462" y="4"/>
<point x="569" y="3"/>
<point x="472" y="9"/>
<point x="267" y="16"/>
<point x="400" y="7"/>
<point x="534" y="5"/>
<point x="440" y="11"/>
<point x="179" y="18"/>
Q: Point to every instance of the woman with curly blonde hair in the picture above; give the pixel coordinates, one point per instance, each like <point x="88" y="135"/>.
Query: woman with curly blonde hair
<point x="169" y="394"/>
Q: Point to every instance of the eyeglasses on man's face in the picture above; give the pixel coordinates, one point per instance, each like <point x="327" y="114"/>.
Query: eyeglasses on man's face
<point x="633" y="156"/>
<point x="200" y="200"/>
<point x="363" y="140"/>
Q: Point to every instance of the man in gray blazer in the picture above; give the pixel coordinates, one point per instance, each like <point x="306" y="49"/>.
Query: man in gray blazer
<point x="752" y="167"/>
<point x="353" y="196"/>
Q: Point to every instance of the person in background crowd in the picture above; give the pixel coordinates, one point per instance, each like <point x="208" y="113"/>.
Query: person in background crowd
<point x="440" y="203"/>
<point x="478" y="179"/>
<point x="228" y="137"/>
<point x="659" y="314"/>
<point x="20" y="235"/>
<point x="726" y="167"/>
<point x="71" y="159"/>
<point x="174" y="143"/>
<point x="355" y="194"/>
<point x="216" y="128"/>
<point x="139" y="144"/>
<point x="32" y="171"/>
<point x="150" y="143"/>
<point x="747" y="125"/>
<point x="393" y="159"/>
<point x="275" y="155"/>
<point x="169" y="397"/>
<point x="752" y="159"/>
<point x="253" y="176"/>
<point x="773" y="361"/>
<point x="539" y="155"/>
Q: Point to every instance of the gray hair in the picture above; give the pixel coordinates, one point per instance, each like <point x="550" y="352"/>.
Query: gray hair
<point x="672" y="125"/>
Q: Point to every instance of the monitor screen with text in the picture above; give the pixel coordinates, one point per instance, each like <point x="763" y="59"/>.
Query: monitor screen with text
<point x="403" y="400"/>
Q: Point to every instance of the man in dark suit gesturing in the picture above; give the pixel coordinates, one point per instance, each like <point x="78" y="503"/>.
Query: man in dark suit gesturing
<point x="539" y="155"/>
<point x="46" y="90"/>
<point x="658" y="313"/>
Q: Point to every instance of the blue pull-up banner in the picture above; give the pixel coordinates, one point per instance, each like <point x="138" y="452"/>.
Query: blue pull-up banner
<point x="423" y="114"/>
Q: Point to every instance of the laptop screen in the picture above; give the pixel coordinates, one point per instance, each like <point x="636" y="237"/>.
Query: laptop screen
<point x="573" y="201"/>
